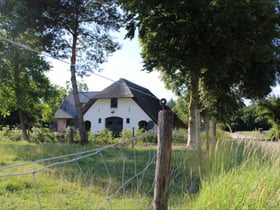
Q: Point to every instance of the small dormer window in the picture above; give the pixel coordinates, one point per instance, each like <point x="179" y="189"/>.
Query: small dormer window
<point x="114" y="103"/>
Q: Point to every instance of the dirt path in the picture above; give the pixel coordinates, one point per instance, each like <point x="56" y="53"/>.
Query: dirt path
<point x="267" y="145"/>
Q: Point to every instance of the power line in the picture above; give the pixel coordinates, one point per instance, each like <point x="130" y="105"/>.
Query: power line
<point x="63" y="61"/>
<point x="33" y="50"/>
<point x="84" y="155"/>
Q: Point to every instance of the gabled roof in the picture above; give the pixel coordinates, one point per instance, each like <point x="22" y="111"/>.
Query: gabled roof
<point x="119" y="89"/>
<point x="67" y="110"/>
<point x="142" y="96"/>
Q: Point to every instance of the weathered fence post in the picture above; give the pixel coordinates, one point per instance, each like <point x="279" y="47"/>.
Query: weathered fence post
<point x="165" y="125"/>
<point x="71" y="135"/>
<point x="133" y="134"/>
<point x="214" y="129"/>
<point x="197" y="136"/>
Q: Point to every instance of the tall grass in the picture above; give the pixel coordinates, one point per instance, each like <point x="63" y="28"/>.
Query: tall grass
<point x="102" y="176"/>
<point x="239" y="176"/>
<point x="233" y="175"/>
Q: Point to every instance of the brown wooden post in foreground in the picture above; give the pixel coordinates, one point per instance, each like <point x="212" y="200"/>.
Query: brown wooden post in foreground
<point x="165" y="125"/>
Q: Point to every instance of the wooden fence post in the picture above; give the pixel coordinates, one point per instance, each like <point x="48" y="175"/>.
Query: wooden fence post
<point x="165" y="125"/>
<point x="133" y="134"/>
<point x="197" y="135"/>
<point x="214" y="129"/>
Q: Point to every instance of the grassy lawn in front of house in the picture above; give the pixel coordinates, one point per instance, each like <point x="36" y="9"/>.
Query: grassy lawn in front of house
<point x="233" y="175"/>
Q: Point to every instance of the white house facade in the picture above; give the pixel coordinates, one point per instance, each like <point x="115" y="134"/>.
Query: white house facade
<point x="126" y="114"/>
<point x="122" y="105"/>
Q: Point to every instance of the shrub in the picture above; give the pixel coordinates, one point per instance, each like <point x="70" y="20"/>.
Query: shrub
<point x="150" y="138"/>
<point x="12" y="134"/>
<point x="42" y="135"/>
<point x="180" y="136"/>
<point x="103" y="137"/>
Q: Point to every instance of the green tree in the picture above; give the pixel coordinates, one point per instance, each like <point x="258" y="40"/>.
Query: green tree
<point x="51" y="104"/>
<point x="270" y="109"/>
<point x="227" y="44"/>
<point x="249" y="118"/>
<point x="82" y="87"/>
<point x="22" y="81"/>
<point x="77" y="30"/>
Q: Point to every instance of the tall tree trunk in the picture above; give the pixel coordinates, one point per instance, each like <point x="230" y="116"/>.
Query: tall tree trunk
<point x="22" y="125"/>
<point x="192" y="107"/>
<point x="80" y="118"/>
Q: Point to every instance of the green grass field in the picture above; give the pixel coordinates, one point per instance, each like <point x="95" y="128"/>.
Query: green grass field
<point x="233" y="176"/>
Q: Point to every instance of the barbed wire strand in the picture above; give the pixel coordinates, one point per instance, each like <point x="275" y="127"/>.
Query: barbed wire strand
<point x="70" y="161"/>
<point x="129" y="180"/>
<point x="123" y="173"/>
<point x="145" y="194"/>
<point x="85" y="181"/>
<point x="135" y="167"/>
<point x="48" y="159"/>
<point x="33" y="50"/>
<point x="91" y="152"/>
<point x="110" y="177"/>
<point x="151" y="156"/>
<point x="98" y="150"/>
<point x="37" y="190"/>
<point x="65" y="62"/>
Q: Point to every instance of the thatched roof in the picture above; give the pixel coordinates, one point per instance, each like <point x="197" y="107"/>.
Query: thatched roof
<point x="142" y="96"/>
<point x="119" y="89"/>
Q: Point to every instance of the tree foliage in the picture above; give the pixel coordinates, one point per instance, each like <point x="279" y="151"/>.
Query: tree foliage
<point x="82" y="87"/>
<point x="77" y="30"/>
<point x="22" y="81"/>
<point x="270" y="109"/>
<point x="231" y="46"/>
<point x="249" y="118"/>
<point x="51" y="104"/>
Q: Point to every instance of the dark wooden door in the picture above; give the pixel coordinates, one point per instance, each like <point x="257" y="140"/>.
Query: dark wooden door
<point x="114" y="124"/>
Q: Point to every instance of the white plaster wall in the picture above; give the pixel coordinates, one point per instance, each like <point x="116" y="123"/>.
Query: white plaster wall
<point x="127" y="108"/>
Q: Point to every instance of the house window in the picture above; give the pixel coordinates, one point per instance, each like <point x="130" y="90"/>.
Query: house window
<point x="114" y="102"/>
<point x="99" y="120"/>
<point x="127" y="120"/>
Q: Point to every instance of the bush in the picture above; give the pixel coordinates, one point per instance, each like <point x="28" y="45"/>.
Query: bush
<point x="37" y="135"/>
<point x="100" y="138"/>
<point x="180" y="136"/>
<point x="106" y="137"/>
<point x="12" y="134"/>
<point x="42" y="135"/>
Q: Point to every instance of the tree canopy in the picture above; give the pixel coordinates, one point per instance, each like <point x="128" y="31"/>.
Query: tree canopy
<point x="23" y="83"/>
<point x="231" y="46"/>
<point x="77" y="30"/>
<point x="270" y="109"/>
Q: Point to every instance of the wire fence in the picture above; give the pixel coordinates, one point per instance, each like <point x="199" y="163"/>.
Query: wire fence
<point x="130" y="179"/>
<point x="47" y="55"/>
<point x="81" y="161"/>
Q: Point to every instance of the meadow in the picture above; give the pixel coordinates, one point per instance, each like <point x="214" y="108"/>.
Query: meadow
<point x="233" y="175"/>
